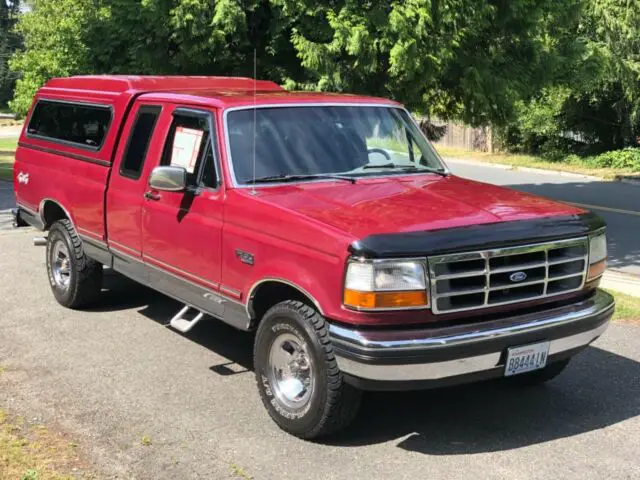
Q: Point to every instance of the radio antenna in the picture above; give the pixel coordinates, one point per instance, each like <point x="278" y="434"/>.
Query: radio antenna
<point x="255" y="81"/>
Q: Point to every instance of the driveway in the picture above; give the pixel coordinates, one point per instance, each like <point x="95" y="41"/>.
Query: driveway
<point x="110" y="375"/>
<point x="617" y="203"/>
<point x="7" y="202"/>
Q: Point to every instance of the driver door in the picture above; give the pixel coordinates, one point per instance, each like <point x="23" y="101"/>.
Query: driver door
<point x="182" y="231"/>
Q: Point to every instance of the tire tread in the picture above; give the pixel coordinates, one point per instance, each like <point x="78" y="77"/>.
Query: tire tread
<point x="343" y="400"/>
<point x="88" y="271"/>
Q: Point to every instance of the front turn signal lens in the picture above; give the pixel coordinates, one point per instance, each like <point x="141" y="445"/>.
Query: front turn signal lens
<point x="384" y="300"/>
<point x="596" y="270"/>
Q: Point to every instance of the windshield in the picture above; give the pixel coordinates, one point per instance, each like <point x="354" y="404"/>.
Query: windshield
<point x="353" y="141"/>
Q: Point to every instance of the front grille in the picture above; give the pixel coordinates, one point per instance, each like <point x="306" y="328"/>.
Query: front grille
<point x="487" y="278"/>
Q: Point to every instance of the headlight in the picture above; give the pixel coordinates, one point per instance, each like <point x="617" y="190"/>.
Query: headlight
<point x="597" y="256"/>
<point x="385" y="284"/>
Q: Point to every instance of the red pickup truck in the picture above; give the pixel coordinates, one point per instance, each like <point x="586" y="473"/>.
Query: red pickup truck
<point x="325" y="223"/>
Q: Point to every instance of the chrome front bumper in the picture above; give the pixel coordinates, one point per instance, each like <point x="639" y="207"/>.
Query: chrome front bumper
<point x="388" y="358"/>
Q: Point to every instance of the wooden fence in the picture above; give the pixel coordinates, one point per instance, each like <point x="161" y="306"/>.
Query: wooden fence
<point x="466" y="138"/>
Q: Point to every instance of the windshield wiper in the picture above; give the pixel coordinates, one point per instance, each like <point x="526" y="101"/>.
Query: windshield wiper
<point x="293" y="178"/>
<point x="406" y="168"/>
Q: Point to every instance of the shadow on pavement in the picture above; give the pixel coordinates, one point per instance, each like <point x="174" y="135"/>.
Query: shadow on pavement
<point x="597" y="390"/>
<point x="121" y="293"/>
<point x="7" y="198"/>
<point x="624" y="247"/>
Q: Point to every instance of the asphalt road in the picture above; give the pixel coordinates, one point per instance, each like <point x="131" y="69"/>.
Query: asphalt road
<point x="617" y="203"/>
<point x="110" y="375"/>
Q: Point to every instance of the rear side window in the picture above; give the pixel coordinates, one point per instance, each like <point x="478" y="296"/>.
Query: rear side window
<point x="79" y="124"/>
<point x="139" y="140"/>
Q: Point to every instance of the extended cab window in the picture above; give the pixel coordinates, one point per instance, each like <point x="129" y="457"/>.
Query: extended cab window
<point x="79" y="124"/>
<point x="139" y="140"/>
<point x="189" y="146"/>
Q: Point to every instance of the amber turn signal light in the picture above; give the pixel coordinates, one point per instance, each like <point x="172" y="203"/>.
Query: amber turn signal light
<point x="375" y="300"/>
<point x="596" y="269"/>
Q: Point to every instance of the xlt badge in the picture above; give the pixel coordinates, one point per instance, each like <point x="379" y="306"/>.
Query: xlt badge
<point x="245" y="257"/>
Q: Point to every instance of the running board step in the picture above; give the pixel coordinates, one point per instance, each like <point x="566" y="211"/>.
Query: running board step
<point x="182" y="324"/>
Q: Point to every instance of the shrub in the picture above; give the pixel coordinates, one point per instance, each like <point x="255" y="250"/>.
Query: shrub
<point x="628" y="158"/>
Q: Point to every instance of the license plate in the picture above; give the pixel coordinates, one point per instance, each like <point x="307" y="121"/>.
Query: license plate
<point x="526" y="358"/>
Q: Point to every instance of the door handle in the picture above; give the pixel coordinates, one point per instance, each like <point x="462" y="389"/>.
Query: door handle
<point x="152" y="196"/>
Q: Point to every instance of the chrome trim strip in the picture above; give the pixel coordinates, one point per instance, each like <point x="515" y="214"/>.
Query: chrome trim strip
<point x="122" y="246"/>
<point x="89" y="233"/>
<point x="278" y="280"/>
<point x="115" y="251"/>
<point x="27" y="209"/>
<point x="452" y="368"/>
<point x="178" y="277"/>
<point x="230" y="291"/>
<point x="210" y="293"/>
<point x="158" y="263"/>
<point x="92" y="240"/>
<point x="486" y="255"/>
<point x="41" y="211"/>
<point x="600" y="304"/>
<point x="232" y="172"/>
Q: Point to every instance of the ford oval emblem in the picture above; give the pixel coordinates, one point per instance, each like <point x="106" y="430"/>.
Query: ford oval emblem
<point x="518" y="277"/>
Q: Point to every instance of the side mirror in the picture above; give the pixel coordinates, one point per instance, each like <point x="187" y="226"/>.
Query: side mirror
<point x="168" y="179"/>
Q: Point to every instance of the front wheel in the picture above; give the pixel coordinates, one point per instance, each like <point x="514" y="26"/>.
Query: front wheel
<point x="297" y="374"/>
<point x="76" y="280"/>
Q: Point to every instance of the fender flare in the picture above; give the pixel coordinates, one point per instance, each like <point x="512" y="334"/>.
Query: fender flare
<point x="42" y="206"/>
<point x="254" y="287"/>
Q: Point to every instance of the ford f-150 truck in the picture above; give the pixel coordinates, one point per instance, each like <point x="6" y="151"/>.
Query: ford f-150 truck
<point x="325" y="223"/>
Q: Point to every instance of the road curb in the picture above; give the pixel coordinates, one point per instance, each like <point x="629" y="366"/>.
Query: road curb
<point x="621" y="282"/>
<point x="629" y="181"/>
<point x="535" y="170"/>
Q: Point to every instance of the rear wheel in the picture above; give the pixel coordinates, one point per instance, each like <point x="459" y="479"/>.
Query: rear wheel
<point x="75" y="279"/>
<point x="538" y="377"/>
<point x="297" y="374"/>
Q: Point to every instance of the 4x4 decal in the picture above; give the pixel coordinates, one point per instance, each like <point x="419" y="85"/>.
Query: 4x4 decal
<point x="23" y="178"/>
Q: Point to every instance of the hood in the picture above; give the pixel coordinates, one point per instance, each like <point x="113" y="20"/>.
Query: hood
<point x="409" y="203"/>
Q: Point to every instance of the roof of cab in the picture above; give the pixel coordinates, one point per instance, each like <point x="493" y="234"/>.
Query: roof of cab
<point x="247" y="98"/>
<point x="148" y="83"/>
<point x="220" y="92"/>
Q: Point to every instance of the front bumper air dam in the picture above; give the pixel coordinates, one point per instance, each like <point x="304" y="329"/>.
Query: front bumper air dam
<point x="432" y="357"/>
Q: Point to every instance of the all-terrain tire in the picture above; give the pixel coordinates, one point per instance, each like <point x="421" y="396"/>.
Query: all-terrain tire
<point x="538" y="377"/>
<point x="83" y="278"/>
<point x="333" y="404"/>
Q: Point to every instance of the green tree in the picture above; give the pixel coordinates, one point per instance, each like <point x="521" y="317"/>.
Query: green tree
<point x="593" y="104"/>
<point x="468" y="59"/>
<point x="9" y="43"/>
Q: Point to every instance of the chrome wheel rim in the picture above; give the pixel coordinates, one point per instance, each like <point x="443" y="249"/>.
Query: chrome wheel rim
<point x="291" y="371"/>
<point x="60" y="265"/>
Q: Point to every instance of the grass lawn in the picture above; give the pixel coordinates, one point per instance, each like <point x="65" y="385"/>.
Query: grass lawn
<point x="7" y="150"/>
<point x="32" y="452"/>
<point x="532" y="162"/>
<point x="627" y="308"/>
<point x="9" y="122"/>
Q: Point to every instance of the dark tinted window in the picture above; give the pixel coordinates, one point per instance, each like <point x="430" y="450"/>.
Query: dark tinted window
<point x="316" y="140"/>
<point x="189" y="146"/>
<point x="139" y="140"/>
<point x="84" y="125"/>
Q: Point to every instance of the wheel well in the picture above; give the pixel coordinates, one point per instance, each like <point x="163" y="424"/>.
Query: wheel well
<point x="268" y="294"/>
<point x="52" y="212"/>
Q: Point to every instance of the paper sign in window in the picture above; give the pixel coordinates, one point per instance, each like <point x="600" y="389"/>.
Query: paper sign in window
<point x="186" y="146"/>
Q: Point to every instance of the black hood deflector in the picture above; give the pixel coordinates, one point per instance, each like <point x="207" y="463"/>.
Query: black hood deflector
<point x="476" y="237"/>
